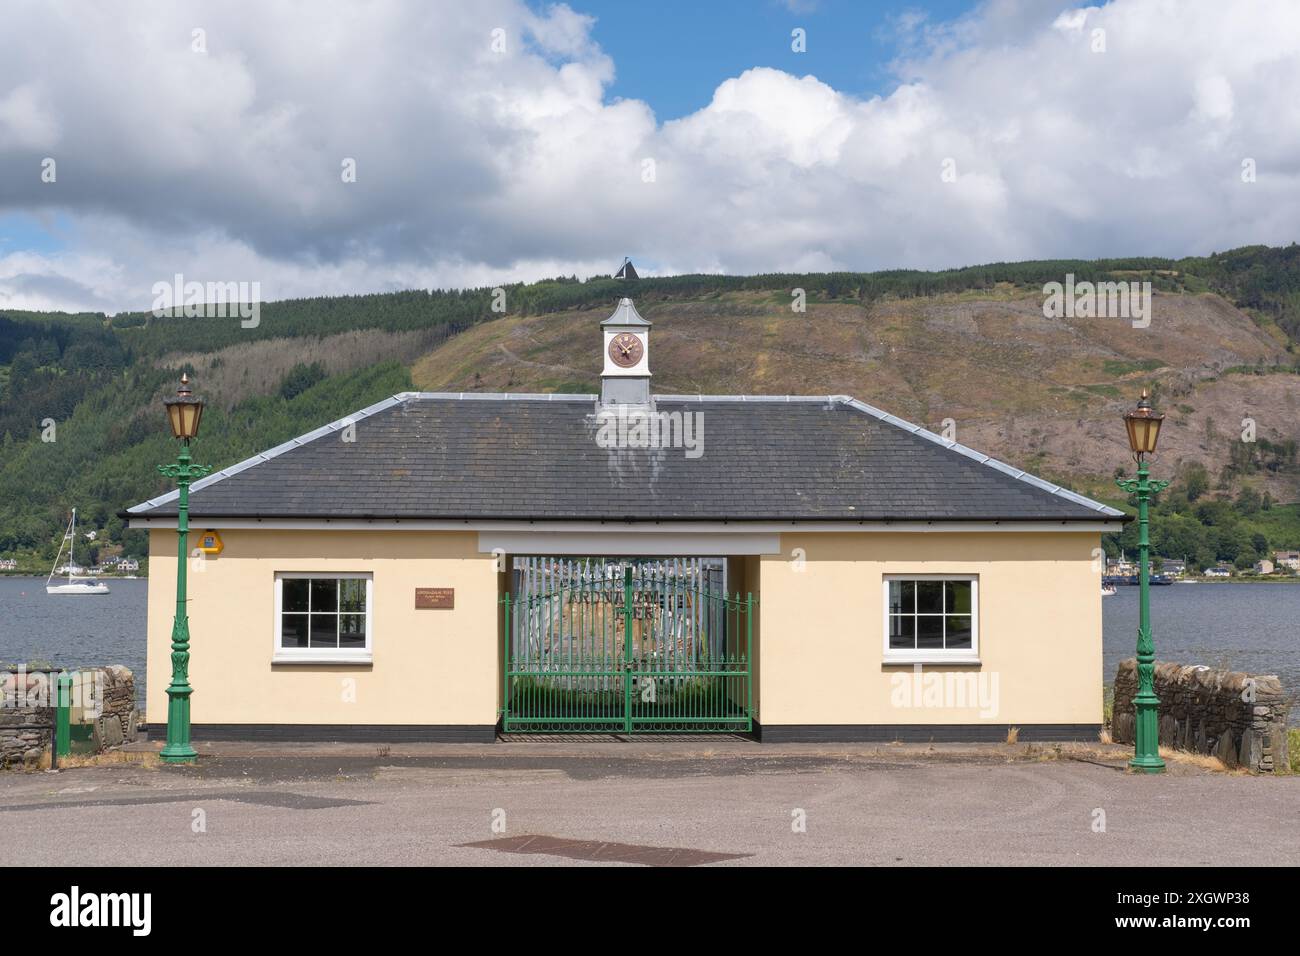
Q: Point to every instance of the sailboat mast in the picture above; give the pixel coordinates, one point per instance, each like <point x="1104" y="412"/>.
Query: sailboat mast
<point x="54" y="567"/>
<point x="72" y="546"/>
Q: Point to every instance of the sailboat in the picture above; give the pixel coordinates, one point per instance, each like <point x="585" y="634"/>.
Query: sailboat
<point x="74" y="585"/>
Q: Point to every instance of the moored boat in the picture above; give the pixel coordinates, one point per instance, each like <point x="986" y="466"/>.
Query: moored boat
<point x="74" y="584"/>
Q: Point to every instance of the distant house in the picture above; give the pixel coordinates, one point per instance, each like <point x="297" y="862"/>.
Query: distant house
<point x="73" y="569"/>
<point x="8" y="564"/>
<point x="1218" y="572"/>
<point x="1173" y="568"/>
<point x="1264" y="566"/>
<point x="92" y="535"/>
<point x="1120" y="565"/>
<point x="1287" y="559"/>
<point x="128" y="565"/>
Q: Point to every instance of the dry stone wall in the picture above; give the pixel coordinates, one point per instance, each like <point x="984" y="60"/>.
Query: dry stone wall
<point x="1239" y="718"/>
<point x="103" y="697"/>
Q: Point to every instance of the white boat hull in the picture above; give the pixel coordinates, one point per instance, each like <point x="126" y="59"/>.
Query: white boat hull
<point x="96" y="587"/>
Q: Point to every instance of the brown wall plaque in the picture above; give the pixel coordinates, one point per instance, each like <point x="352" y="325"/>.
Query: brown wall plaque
<point x="436" y="599"/>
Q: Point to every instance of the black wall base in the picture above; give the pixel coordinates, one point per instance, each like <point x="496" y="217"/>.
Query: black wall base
<point x="338" y="733"/>
<point x="923" y="733"/>
<point x="770" y="733"/>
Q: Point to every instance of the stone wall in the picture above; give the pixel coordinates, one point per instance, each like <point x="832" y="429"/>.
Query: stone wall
<point x="1239" y="718"/>
<point x="102" y="697"/>
<point x="118" y="718"/>
<point x="25" y="734"/>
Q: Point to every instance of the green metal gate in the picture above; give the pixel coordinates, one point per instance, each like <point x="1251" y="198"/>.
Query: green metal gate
<point x="605" y="645"/>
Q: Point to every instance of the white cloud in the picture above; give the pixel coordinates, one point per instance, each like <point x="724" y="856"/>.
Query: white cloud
<point x="476" y="166"/>
<point x="25" y="120"/>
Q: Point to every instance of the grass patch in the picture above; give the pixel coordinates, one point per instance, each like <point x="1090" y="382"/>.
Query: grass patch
<point x="567" y="387"/>
<point x="109" y="758"/>
<point x="1116" y="368"/>
<point x="1110" y="391"/>
<point x="1200" y="761"/>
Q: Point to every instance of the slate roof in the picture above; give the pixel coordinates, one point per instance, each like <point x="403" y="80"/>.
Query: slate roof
<point x="449" y="456"/>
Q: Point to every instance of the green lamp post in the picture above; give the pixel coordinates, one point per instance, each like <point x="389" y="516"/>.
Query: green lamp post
<point x="183" y="413"/>
<point x="1143" y="430"/>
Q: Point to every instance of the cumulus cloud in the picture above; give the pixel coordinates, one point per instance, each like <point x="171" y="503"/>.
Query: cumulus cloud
<point x="487" y="149"/>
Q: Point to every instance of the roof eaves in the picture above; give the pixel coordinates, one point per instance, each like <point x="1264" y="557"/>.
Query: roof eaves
<point x="1017" y="473"/>
<point x="331" y="428"/>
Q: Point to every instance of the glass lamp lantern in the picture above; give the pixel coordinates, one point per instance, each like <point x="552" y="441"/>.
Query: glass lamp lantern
<point x="184" y="411"/>
<point x="1143" y="427"/>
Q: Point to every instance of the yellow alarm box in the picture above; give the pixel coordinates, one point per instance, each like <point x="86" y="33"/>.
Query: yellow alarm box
<point x="209" y="542"/>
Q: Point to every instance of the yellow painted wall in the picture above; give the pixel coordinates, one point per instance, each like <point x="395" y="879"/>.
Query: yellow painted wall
<point x="1039" y="627"/>
<point x="819" y="629"/>
<point x="429" y="667"/>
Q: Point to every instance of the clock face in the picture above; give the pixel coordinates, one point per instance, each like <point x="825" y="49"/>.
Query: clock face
<point x="625" y="349"/>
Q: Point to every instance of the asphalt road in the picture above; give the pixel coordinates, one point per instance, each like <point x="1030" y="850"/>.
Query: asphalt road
<point x="354" y="805"/>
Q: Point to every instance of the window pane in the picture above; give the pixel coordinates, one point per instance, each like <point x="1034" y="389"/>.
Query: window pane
<point x="902" y="596"/>
<point x="352" y="630"/>
<point x="293" y="630"/>
<point x="324" y="630"/>
<point x="902" y="632"/>
<point x="929" y="631"/>
<point x="959" y="632"/>
<point x="324" y="594"/>
<point x="957" y="597"/>
<point x="294" y="597"/>
<point x="352" y="595"/>
<point x="929" y="597"/>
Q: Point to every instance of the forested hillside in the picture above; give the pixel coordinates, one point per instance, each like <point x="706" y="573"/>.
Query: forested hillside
<point x="81" y="421"/>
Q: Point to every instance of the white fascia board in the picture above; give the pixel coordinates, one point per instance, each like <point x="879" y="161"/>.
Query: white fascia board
<point x="630" y="542"/>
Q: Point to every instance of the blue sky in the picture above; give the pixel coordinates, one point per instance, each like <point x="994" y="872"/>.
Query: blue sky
<point x="29" y="233"/>
<point x="673" y="54"/>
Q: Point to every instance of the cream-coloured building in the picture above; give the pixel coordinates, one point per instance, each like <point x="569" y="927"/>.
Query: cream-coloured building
<point x="448" y="566"/>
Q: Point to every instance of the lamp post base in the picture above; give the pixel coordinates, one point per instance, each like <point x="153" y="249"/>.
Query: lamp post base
<point x="178" y="749"/>
<point x="1147" y="764"/>
<point x="1146" y="751"/>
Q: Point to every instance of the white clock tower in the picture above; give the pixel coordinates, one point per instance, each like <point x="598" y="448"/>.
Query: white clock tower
<point x="626" y="377"/>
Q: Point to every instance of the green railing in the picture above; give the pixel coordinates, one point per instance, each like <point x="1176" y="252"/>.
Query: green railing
<point x="625" y="646"/>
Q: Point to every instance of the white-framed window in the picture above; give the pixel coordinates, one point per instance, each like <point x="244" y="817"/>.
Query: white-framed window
<point x="931" y="618"/>
<point x="322" y="617"/>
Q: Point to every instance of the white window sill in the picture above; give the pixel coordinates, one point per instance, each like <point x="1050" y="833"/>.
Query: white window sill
<point x="923" y="658"/>
<point x="322" y="657"/>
